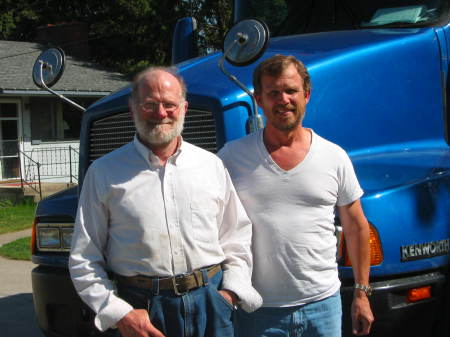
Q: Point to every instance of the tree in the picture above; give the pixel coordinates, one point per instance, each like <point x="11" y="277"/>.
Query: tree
<point x="17" y="19"/>
<point x="213" y="19"/>
<point x="125" y="35"/>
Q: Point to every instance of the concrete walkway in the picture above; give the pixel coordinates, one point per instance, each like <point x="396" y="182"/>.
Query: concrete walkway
<point x="14" y="275"/>
<point x="16" y="295"/>
<point x="9" y="237"/>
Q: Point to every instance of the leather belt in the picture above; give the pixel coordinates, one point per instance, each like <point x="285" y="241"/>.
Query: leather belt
<point x="180" y="284"/>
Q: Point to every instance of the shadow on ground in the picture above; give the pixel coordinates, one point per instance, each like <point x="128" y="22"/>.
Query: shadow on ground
<point x="17" y="317"/>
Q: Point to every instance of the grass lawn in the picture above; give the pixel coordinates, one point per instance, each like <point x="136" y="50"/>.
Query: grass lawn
<point x="14" y="218"/>
<point x="17" y="250"/>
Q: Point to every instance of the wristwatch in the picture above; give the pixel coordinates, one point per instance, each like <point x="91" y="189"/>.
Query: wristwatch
<point x="366" y="288"/>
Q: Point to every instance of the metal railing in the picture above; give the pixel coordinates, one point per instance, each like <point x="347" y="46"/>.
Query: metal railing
<point x="48" y="163"/>
<point x="28" y="177"/>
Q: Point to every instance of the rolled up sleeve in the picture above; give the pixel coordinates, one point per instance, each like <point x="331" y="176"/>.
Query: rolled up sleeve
<point x="87" y="261"/>
<point x="235" y="237"/>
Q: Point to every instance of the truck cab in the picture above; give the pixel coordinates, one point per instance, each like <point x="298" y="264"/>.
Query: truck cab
<point x="379" y="73"/>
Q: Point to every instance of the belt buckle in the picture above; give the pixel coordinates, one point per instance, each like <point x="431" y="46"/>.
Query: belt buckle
<point x="175" y="284"/>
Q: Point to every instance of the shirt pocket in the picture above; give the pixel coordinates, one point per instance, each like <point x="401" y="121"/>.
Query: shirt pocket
<point x="205" y="211"/>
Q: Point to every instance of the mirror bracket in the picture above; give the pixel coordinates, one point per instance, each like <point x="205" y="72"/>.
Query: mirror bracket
<point x="48" y="69"/>
<point x="244" y="43"/>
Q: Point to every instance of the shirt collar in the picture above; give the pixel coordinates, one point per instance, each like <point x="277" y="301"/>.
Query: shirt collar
<point x="151" y="158"/>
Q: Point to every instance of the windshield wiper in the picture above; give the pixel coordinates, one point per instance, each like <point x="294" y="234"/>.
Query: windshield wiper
<point x="396" y="24"/>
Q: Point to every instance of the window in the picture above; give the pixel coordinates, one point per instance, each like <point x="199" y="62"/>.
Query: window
<point x="288" y="17"/>
<point x="53" y="120"/>
<point x="9" y="143"/>
<point x="8" y="110"/>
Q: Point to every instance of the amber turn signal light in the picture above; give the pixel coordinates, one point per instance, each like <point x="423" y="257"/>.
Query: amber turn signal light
<point x="33" y="237"/>
<point x="376" y="253"/>
<point x="419" y="294"/>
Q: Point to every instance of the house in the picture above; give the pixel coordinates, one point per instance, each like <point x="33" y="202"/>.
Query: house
<point x="36" y="126"/>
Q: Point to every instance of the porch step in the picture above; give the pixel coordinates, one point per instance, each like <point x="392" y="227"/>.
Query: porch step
<point x="12" y="193"/>
<point x="46" y="189"/>
<point x="12" y="190"/>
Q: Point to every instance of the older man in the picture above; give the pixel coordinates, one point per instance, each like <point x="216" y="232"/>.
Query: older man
<point x="290" y="180"/>
<point x="162" y="217"/>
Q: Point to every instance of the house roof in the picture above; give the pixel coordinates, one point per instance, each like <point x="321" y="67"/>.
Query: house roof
<point x="79" y="77"/>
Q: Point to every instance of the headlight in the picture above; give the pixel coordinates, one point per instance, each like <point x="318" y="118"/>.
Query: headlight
<point x="66" y="237"/>
<point x="54" y="236"/>
<point x="49" y="238"/>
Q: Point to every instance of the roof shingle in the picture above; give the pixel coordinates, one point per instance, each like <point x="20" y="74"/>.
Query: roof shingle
<point x="16" y="65"/>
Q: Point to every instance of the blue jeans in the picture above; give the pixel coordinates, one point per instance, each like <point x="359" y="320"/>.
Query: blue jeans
<point x="202" y="312"/>
<point x="317" y="319"/>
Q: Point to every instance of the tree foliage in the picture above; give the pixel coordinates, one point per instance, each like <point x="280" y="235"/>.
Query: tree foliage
<point x="213" y="18"/>
<point x="17" y="20"/>
<point x="125" y="35"/>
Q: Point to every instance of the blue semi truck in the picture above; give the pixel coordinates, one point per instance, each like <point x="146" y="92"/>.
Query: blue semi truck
<point x="380" y="89"/>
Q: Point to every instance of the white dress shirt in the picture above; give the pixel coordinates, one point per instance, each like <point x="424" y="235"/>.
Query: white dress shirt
<point x="138" y="217"/>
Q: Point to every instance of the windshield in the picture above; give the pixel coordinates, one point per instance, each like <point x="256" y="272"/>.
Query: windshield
<point x="287" y="17"/>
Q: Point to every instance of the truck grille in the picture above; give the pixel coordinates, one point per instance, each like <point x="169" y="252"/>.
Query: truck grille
<point x="109" y="133"/>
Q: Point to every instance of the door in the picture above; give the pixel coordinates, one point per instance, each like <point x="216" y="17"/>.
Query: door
<point x="9" y="139"/>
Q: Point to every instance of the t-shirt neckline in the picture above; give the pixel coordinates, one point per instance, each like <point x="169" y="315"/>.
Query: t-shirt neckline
<point x="267" y="158"/>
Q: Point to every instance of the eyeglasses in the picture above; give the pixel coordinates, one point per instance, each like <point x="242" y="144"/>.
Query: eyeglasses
<point x="151" y="106"/>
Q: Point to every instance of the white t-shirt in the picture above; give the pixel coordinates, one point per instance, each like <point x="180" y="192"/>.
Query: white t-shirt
<point x="294" y="246"/>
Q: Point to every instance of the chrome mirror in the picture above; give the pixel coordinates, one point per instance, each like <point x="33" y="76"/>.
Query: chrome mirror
<point x="48" y="69"/>
<point x="244" y="43"/>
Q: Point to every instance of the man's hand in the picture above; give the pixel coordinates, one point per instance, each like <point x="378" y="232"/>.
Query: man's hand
<point x="362" y="316"/>
<point x="137" y="324"/>
<point x="229" y="296"/>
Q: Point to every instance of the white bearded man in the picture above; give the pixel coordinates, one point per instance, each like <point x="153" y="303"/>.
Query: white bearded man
<point x="162" y="216"/>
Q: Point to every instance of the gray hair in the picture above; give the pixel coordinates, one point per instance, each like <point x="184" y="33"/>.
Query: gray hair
<point x="171" y="70"/>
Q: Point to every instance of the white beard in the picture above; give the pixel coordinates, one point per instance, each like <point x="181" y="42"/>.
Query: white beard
<point x="158" y="134"/>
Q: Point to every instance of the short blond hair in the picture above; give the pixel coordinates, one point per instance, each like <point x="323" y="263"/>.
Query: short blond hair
<point x="275" y="65"/>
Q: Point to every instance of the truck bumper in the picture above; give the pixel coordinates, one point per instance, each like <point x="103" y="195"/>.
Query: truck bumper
<point x="395" y="315"/>
<point x="60" y="312"/>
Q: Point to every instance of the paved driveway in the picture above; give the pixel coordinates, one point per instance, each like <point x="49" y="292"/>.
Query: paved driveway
<point x="16" y="301"/>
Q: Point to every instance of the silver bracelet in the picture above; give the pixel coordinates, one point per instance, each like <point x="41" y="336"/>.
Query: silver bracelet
<point x="366" y="288"/>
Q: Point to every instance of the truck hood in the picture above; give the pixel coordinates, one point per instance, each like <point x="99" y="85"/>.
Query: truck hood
<point x="401" y="165"/>
<point x="61" y="204"/>
<point x="369" y="87"/>
<point x="406" y="194"/>
<point x="314" y="50"/>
